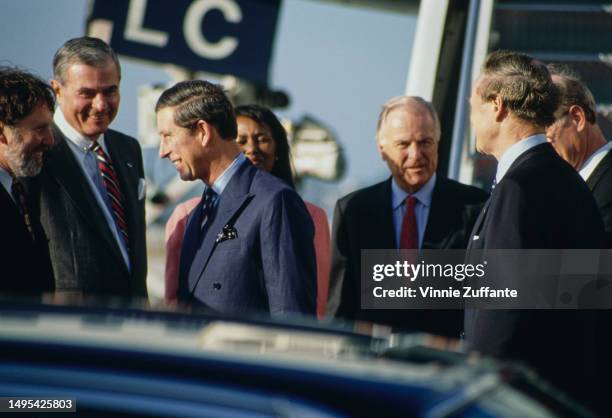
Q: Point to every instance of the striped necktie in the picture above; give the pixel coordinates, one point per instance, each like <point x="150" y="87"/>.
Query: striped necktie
<point x="111" y="184"/>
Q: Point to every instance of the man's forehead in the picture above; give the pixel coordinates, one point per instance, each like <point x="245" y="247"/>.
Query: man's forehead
<point x="405" y="116"/>
<point x="80" y="73"/>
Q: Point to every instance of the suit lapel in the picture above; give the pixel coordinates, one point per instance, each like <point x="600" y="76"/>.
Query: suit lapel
<point x="478" y="225"/>
<point x="231" y="200"/>
<point x="12" y="212"/>
<point x="478" y="230"/>
<point x="62" y="162"/>
<point x="604" y="165"/>
<point x="384" y="228"/>
<point x="436" y="229"/>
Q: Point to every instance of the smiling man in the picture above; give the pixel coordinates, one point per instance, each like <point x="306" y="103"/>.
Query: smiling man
<point x="26" y="104"/>
<point x="248" y="246"/>
<point x="415" y="208"/>
<point x="92" y="188"/>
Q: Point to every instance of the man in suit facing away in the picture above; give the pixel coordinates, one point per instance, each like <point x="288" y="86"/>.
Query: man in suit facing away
<point x="415" y="208"/>
<point x="91" y="188"/>
<point x="26" y="106"/>
<point x="539" y="202"/>
<point x="248" y="246"/>
<point x="577" y="138"/>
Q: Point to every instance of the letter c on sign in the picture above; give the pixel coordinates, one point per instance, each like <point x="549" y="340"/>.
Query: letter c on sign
<point x="193" y="34"/>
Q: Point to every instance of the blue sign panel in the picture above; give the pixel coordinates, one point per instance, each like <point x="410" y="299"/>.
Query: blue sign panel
<point x="218" y="36"/>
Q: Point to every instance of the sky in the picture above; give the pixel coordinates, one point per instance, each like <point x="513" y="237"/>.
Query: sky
<point x="338" y="64"/>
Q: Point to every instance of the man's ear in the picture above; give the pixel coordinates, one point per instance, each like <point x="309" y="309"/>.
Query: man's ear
<point x="381" y="151"/>
<point x="204" y="131"/>
<point x="500" y="108"/>
<point x="578" y="117"/>
<point x="56" y="86"/>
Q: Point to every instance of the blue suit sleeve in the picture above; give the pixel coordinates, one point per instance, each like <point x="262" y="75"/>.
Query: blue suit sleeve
<point x="288" y="256"/>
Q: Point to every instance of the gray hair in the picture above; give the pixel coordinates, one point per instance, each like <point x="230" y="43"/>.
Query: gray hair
<point x="409" y="103"/>
<point x="573" y="92"/>
<point x="85" y="50"/>
<point x="523" y="84"/>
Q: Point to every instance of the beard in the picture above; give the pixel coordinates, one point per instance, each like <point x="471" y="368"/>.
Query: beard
<point x="22" y="162"/>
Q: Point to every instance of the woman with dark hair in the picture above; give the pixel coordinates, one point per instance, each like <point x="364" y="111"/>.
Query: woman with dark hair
<point x="263" y="140"/>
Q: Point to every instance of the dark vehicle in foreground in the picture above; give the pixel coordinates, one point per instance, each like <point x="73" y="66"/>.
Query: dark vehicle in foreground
<point x="133" y="363"/>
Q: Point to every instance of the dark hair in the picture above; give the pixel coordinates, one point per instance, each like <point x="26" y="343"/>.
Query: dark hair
<point x="573" y="92"/>
<point x="264" y="116"/>
<point x="86" y="50"/>
<point x="20" y="93"/>
<point x="523" y="84"/>
<point x="196" y="100"/>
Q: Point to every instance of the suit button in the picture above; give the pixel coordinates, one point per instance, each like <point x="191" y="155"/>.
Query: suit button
<point x="217" y="286"/>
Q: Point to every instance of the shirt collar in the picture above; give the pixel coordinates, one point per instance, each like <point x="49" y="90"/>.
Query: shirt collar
<point x="80" y="142"/>
<point x="225" y="177"/>
<point x="593" y="161"/>
<point x="6" y="180"/>
<point x="516" y="151"/>
<point x="423" y="195"/>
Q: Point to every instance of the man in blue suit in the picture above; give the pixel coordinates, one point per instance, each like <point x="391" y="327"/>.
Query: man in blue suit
<point x="248" y="246"/>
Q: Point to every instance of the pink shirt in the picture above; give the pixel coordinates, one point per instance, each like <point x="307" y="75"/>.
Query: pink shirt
<point x="175" y="230"/>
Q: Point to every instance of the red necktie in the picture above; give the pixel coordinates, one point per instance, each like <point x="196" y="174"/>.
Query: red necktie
<point x="409" y="236"/>
<point x="111" y="184"/>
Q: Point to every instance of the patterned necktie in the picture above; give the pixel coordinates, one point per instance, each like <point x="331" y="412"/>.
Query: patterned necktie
<point x="111" y="184"/>
<point x="192" y="240"/>
<point x="19" y="194"/>
<point x="409" y="236"/>
<point x="208" y="200"/>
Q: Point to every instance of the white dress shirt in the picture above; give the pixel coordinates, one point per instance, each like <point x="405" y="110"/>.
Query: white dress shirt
<point x="593" y="161"/>
<point x="86" y="158"/>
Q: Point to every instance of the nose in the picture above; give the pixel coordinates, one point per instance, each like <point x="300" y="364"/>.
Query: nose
<point x="414" y="152"/>
<point x="100" y="103"/>
<point x="163" y="149"/>
<point x="250" y="147"/>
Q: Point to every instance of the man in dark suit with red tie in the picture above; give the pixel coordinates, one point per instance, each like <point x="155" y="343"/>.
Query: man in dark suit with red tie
<point x="90" y="193"/>
<point x="415" y="208"/>
<point x="26" y="105"/>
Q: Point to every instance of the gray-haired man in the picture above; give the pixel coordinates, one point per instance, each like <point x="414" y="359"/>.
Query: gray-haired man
<point x="577" y="138"/>
<point x="91" y="188"/>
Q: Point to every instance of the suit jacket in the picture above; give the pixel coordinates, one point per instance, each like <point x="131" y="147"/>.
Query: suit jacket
<point x="541" y="203"/>
<point x="364" y="219"/>
<point x="257" y="253"/>
<point x="85" y="255"/>
<point x="600" y="183"/>
<point x="175" y="231"/>
<point x="26" y="267"/>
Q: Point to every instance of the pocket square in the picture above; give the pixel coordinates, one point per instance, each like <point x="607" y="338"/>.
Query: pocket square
<point x="142" y="188"/>
<point x="228" y="232"/>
